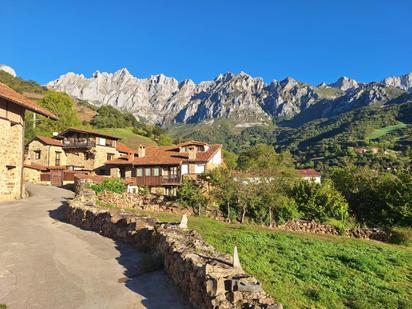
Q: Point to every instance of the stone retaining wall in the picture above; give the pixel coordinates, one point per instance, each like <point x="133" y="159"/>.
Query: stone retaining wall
<point x="318" y="228"/>
<point x="206" y="277"/>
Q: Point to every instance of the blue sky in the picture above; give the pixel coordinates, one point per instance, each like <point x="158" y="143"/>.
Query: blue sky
<point x="312" y="41"/>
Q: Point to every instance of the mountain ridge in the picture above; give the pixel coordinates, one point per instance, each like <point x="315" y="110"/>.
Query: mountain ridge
<point x="245" y="99"/>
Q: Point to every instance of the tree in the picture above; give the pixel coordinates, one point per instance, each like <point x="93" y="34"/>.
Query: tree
<point x="223" y="188"/>
<point x="190" y="194"/>
<point x="319" y="201"/>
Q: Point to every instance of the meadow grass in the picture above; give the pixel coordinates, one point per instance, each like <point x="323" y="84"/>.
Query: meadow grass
<point x="304" y="270"/>
<point x="128" y="137"/>
<point x="377" y="133"/>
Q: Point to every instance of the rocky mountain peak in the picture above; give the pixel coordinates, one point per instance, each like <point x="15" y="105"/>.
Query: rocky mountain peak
<point x="164" y="100"/>
<point x="344" y="83"/>
<point x="404" y="82"/>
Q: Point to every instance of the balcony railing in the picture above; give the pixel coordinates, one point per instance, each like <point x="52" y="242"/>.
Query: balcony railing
<point x="78" y="144"/>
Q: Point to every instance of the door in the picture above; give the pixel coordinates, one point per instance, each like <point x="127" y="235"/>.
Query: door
<point x="56" y="178"/>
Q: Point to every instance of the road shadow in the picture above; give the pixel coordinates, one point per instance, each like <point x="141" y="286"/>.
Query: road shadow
<point x="143" y="274"/>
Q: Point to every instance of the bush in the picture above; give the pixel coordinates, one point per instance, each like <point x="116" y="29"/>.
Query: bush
<point x="109" y="184"/>
<point x="319" y="202"/>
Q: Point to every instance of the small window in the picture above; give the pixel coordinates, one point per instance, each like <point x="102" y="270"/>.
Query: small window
<point x="37" y="155"/>
<point x="139" y="172"/>
<point x="110" y="156"/>
<point x="147" y="171"/>
<point x="102" y="141"/>
<point x="156" y="171"/>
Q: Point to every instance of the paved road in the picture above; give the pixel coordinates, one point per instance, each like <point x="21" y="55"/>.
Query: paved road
<point x="45" y="263"/>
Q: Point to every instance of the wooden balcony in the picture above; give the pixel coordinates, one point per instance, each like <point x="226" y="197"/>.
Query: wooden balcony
<point x="151" y="181"/>
<point x="78" y="144"/>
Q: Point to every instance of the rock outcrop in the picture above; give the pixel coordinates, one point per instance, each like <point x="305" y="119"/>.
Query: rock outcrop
<point x="8" y="69"/>
<point x="240" y="97"/>
<point x="404" y="82"/>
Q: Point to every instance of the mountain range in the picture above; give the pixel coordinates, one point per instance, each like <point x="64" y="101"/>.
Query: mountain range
<point x="246" y="100"/>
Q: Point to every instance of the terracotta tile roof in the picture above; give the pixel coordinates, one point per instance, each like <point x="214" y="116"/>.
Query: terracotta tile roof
<point x="17" y="98"/>
<point x="120" y="147"/>
<point x="49" y="140"/>
<point x="308" y="172"/>
<point x="88" y="132"/>
<point x="44" y="167"/>
<point x="167" y="155"/>
<point x="191" y="142"/>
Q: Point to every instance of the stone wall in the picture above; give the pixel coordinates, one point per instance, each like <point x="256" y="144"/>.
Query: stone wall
<point x="149" y="202"/>
<point x="11" y="165"/>
<point x="318" y="228"/>
<point x="47" y="154"/>
<point x="206" y="277"/>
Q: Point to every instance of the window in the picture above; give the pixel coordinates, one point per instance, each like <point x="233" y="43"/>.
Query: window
<point x="156" y="171"/>
<point x="147" y="171"/>
<point x="58" y="153"/>
<point x="37" y="154"/>
<point x="110" y="156"/>
<point x="139" y="172"/>
<point x="101" y="141"/>
<point x="173" y="171"/>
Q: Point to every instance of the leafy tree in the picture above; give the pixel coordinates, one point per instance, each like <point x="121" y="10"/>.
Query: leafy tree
<point x="319" y="201"/>
<point x="189" y="193"/>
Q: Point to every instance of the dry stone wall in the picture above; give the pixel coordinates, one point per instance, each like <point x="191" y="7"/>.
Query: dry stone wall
<point x="206" y="277"/>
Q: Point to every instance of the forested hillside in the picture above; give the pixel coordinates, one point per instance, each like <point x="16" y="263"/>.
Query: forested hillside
<point x="321" y="143"/>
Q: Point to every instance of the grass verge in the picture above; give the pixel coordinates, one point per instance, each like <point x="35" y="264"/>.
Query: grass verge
<point x="303" y="270"/>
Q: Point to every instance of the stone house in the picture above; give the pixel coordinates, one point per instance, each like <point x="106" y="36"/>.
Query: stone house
<point x="55" y="159"/>
<point x="12" y="108"/>
<point x="162" y="168"/>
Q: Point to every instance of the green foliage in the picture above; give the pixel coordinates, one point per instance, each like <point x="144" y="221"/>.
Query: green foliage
<point x="377" y="133"/>
<point x="109" y="184"/>
<point x="319" y="201"/>
<point x="60" y="104"/>
<point x="191" y="195"/>
<point x="21" y="85"/>
<point x="230" y="159"/>
<point x="376" y="198"/>
<point x="110" y="117"/>
<point x="262" y="157"/>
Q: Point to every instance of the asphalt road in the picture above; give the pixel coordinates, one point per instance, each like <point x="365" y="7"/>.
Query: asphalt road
<point x="45" y="263"/>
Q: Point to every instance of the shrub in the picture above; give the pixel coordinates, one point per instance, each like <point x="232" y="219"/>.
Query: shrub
<point x="109" y="184"/>
<point x="319" y="201"/>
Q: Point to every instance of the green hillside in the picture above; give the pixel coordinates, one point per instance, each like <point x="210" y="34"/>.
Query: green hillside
<point x="377" y="133"/>
<point x="128" y="137"/>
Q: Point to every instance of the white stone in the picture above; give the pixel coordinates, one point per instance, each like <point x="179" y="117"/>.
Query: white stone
<point x="236" y="261"/>
<point x="183" y="222"/>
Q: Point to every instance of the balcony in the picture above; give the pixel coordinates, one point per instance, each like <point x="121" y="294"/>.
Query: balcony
<point x="156" y="180"/>
<point x="78" y="144"/>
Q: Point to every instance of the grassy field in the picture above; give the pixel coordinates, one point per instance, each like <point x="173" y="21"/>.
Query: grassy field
<point x="315" y="271"/>
<point x="377" y="133"/>
<point x="128" y="137"/>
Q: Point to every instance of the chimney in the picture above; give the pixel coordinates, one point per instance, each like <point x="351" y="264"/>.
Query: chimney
<point x="141" y="151"/>
<point x="130" y="156"/>
<point x="55" y="133"/>
<point x="192" y="152"/>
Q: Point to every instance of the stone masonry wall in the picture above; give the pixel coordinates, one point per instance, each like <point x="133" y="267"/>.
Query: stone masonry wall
<point x="11" y="165"/>
<point x="206" y="277"/>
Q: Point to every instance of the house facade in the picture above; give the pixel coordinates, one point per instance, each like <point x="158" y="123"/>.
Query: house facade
<point x="12" y="108"/>
<point x="55" y="159"/>
<point x="310" y="174"/>
<point x="162" y="168"/>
